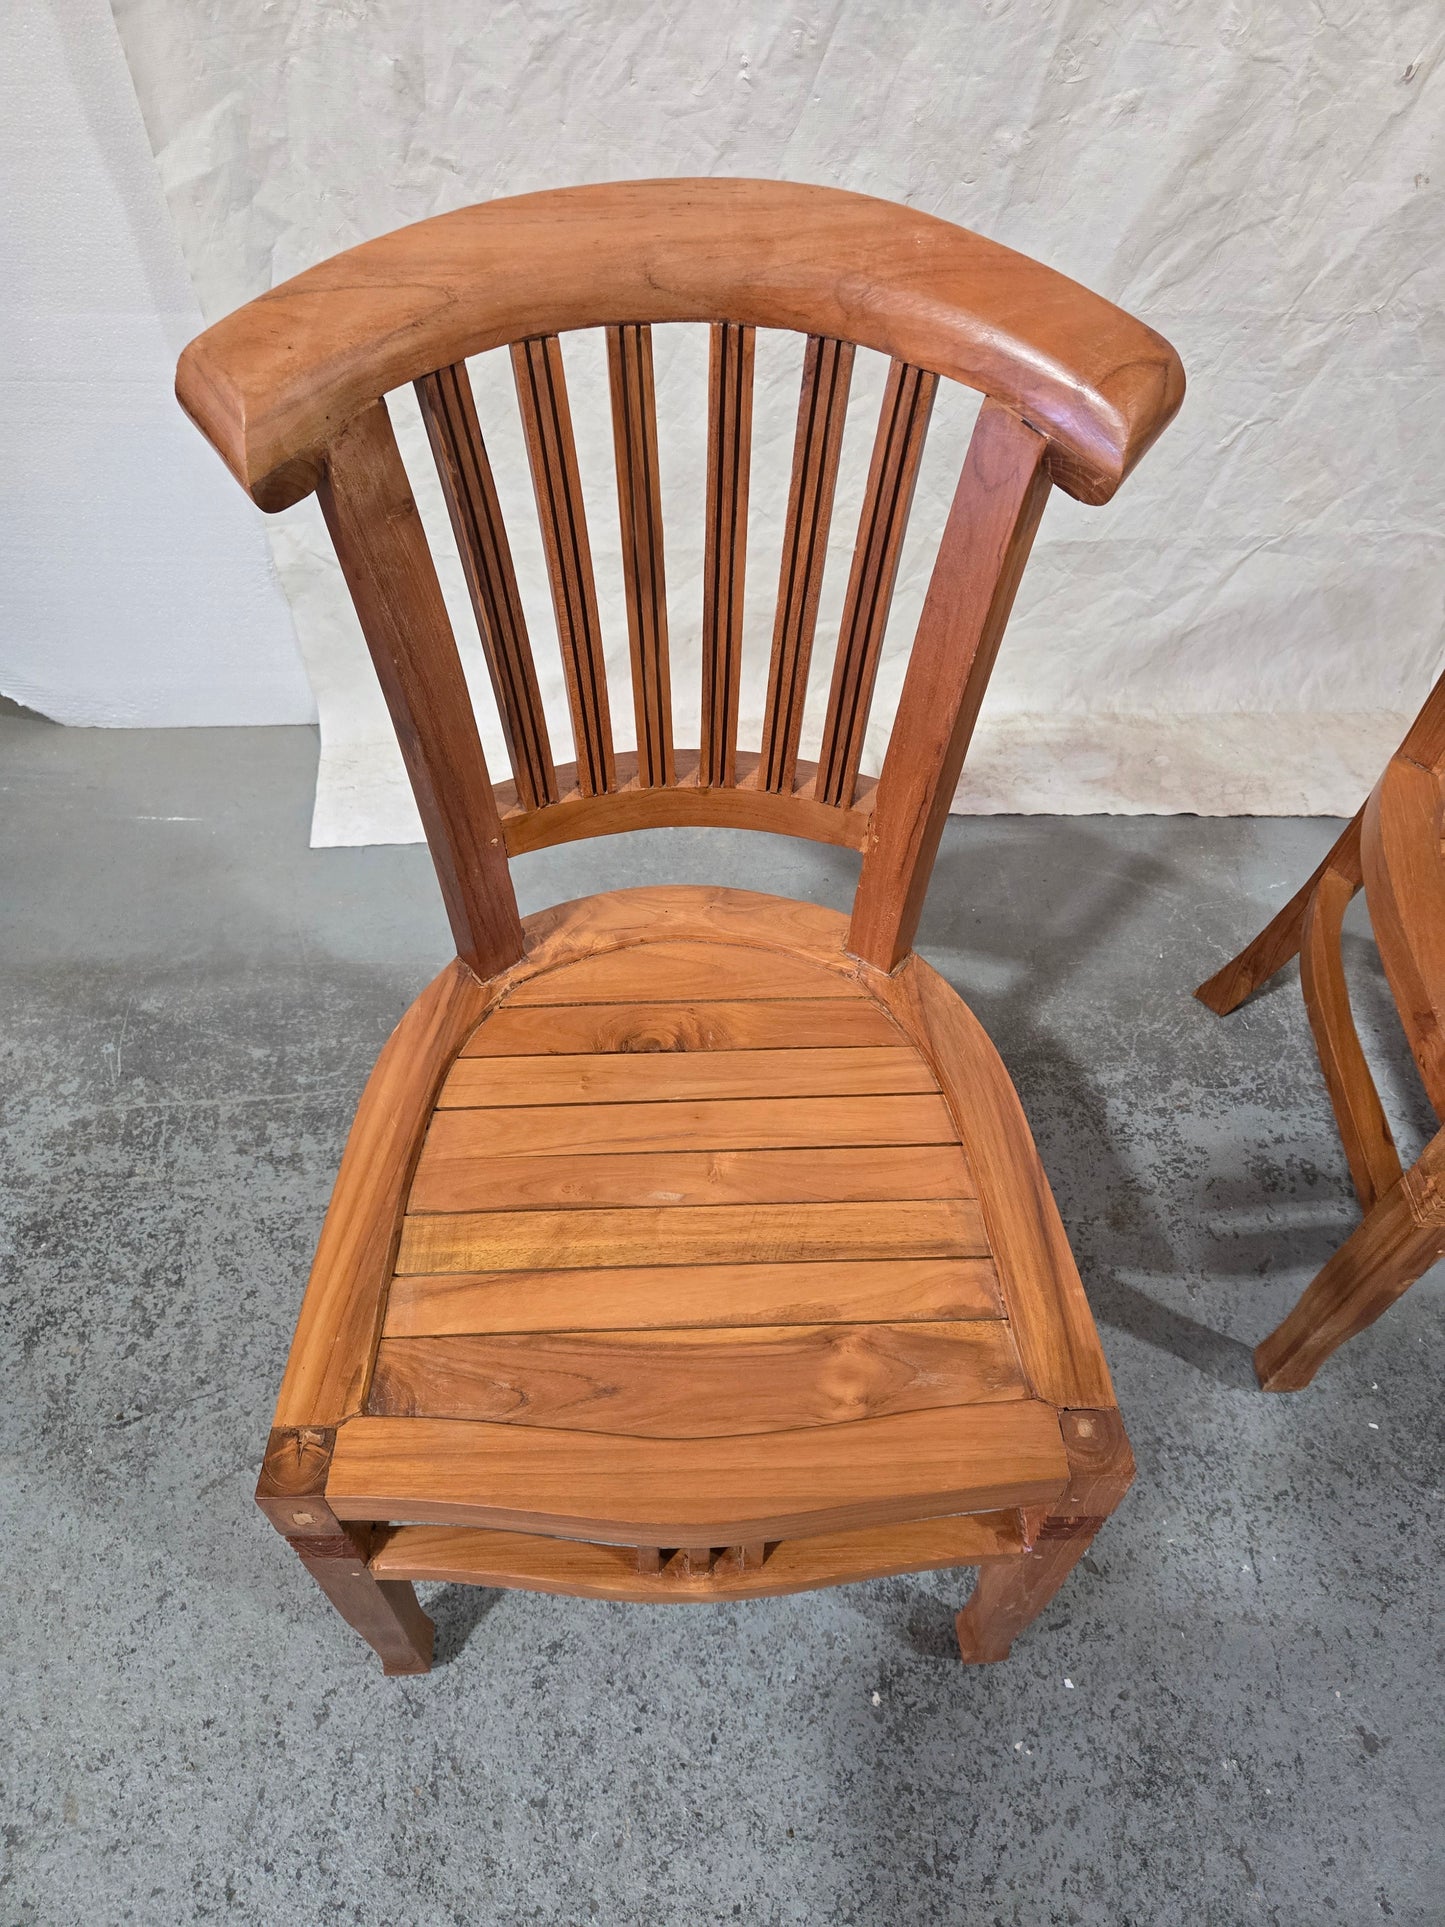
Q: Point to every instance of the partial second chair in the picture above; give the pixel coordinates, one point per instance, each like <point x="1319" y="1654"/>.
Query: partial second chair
<point x="688" y="1244"/>
<point x="1392" y="849"/>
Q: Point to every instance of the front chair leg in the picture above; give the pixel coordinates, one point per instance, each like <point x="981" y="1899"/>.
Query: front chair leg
<point x="1011" y="1593"/>
<point x="292" y="1493"/>
<point x="386" y="1612"/>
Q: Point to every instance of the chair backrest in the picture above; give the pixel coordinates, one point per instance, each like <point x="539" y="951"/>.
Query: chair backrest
<point x="289" y="389"/>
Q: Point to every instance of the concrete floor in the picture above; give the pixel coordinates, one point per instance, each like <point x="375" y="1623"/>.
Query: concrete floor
<point x="1231" y="1714"/>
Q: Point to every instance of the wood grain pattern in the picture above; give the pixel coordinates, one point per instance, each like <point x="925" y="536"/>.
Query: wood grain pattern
<point x="707" y="1125"/>
<point x="552" y="454"/>
<point x="822" y="412"/>
<point x="458" y="1555"/>
<point x="882" y="525"/>
<point x="712" y="1383"/>
<point x="382" y="548"/>
<point x="836" y="1292"/>
<point x="1050" y="1314"/>
<point x="685" y="1492"/>
<point x="335" y="1342"/>
<point x="729" y="461"/>
<point x="1364" y="1130"/>
<point x="450" y="413"/>
<point x="669" y="972"/>
<point x="722" y="1234"/>
<point x="991" y="525"/>
<point x="1008" y="1597"/>
<point x="273" y="383"/>
<point x="680" y="1029"/>
<point x="686" y="802"/>
<point x="633" y="1077"/>
<point x="639" y="500"/>
<point x="452" y="1178"/>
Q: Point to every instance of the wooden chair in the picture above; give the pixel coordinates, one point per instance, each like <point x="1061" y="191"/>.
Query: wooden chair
<point x="688" y="1243"/>
<point x="1392" y="849"/>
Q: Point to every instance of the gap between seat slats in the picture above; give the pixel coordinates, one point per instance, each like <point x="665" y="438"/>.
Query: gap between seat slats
<point x="467" y="481"/>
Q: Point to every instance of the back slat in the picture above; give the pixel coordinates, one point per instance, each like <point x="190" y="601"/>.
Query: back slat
<point x="822" y="407"/>
<point x="729" y="452"/>
<point x="892" y="478"/>
<point x="552" y="451"/>
<point x="450" y="413"/>
<point x="639" y="500"/>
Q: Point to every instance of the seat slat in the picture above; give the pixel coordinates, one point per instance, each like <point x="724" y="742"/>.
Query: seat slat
<point x="844" y="1291"/>
<point x="688" y="1235"/>
<point x="822" y="410"/>
<point x="639" y="500"/>
<point x="711" y="1124"/>
<point x="729" y="460"/>
<point x="573" y="1567"/>
<point x="713" y="1383"/>
<point x="552" y="453"/>
<point x="686" y="1492"/>
<point x="690" y="1030"/>
<point x="691" y="971"/>
<point x="631" y="1077"/>
<point x="464" y="1182"/>
<point x="882" y="525"/>
<point x="450" y="412"/>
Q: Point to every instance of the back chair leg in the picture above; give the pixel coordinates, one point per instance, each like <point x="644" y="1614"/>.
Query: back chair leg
<point x="1011" y="1593"/>
<point x="1281" y="937"/>
<point x="1399" y="1238"/>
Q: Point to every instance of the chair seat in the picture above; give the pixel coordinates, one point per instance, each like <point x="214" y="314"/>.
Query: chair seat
<point x="696" y="1252"/>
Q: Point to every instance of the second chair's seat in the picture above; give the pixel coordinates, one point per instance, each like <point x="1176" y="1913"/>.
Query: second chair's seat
<point x="694" y="1255"/>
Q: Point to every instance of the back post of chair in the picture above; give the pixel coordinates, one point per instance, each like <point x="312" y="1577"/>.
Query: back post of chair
<point x="291" y="390"/>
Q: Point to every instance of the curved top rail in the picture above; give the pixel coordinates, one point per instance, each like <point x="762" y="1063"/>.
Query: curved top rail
<point x="275" y="382"/>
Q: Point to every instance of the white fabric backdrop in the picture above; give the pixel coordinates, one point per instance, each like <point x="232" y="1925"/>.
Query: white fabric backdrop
<point x="1244" y="629"/>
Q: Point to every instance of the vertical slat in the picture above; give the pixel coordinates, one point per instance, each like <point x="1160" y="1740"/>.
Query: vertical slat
<point x="822" y="407"/>
<point x="892" y="478"/>
<point x="639" y="502"/>
<point x="382" y="548"/>
<point x="450" y="412"/>
<point x="552" y="452"/>
<point x="729" y="459"/>
<point x="991" y="526"/>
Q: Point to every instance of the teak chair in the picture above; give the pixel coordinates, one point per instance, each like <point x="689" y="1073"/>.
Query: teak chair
<point x="688" y="1243"/>
<point x="1392" y="849"/>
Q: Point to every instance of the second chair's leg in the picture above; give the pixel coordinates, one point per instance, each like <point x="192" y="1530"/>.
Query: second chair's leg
<point x="1280" y="938"/>
<point x="1011" y="1593"/>
<point x="1399" y="1238"/>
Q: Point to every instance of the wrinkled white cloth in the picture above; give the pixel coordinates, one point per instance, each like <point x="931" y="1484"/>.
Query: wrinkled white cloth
<point x="1245" y="628"/>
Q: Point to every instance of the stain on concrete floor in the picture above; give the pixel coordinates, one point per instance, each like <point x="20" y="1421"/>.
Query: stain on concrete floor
<point x="191" y="1000"/>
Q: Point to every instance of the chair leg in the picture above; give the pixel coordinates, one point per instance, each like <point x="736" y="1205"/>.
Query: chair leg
<point x="1399" y="1238"/>
<point x="1011" y="1593"/>
<point x="1280" y="938"/>
<point x="292" y="1493"/>
<point x="386" y="1612"/>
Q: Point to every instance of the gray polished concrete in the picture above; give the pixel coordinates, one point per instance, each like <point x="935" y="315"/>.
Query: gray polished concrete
<point x="1231" y="1714"/>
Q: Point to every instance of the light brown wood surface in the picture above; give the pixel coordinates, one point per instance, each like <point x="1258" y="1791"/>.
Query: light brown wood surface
<point x="1393" y="847"/>
<point x="272" y="385"/>
<point x="679" y="1166"/>
<point x="457" y="1554"/>
<point x="826" y="1291"/>
<point x="624" y="1490"/>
